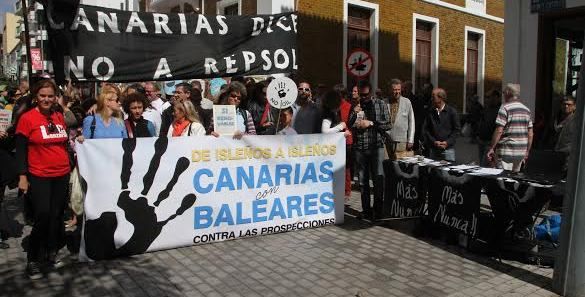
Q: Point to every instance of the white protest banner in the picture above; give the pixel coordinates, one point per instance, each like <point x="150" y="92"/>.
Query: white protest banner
<point x="5" y="119"/>
<point x="156" y="193"/>
<point x="224" y="119"/>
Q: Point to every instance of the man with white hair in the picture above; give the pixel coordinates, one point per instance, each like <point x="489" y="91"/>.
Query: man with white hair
<point x="512" y="139"/>
<point x="153" y="94"/>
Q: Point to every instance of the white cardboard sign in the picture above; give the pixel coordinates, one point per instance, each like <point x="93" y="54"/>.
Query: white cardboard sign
<point x="5" y="119"/>
<point x="224" y="119"/>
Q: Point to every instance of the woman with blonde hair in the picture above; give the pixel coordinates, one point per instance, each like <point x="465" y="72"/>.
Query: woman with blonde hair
<point x="108" y="119"/>
<point x="186" y="120"/>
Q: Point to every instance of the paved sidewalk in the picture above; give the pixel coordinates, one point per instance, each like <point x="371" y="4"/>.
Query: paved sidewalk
<point x="355" y="259"/>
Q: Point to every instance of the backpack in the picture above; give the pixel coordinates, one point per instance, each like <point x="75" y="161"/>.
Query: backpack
<point x="549" y="229"/>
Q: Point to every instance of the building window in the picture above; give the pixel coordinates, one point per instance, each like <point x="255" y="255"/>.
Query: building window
<point x="358" y="33"/>
<point x="358" y="28"/>
<point x="231" y="10"/>
<point x="476" y="5"/>
<point x="424" y="54"/>
<point x="187" y="8"/>
<point x="575" y="60"/>
<point x="142" y="5"/>
<point x="474" y="65"/>
<point x="229" y="7"/>
<point x="425" y="51"/>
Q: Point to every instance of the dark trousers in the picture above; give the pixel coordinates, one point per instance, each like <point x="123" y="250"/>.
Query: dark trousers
<point x="48" y="200"/>
<point x="348" y="169"/>
<point x="369" y="165"/>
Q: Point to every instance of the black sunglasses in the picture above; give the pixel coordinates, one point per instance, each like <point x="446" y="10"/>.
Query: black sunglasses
<point x="51" y="127"/>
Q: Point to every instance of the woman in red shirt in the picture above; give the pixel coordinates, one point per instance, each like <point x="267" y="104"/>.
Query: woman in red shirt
<point x="43" y="165"/>
<point x="344" y="110"/>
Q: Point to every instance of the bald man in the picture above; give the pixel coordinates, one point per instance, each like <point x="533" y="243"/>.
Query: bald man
<point x="441" y="128"/>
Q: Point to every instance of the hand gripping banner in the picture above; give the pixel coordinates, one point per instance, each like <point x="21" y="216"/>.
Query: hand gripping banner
<point x="101" y="44"/>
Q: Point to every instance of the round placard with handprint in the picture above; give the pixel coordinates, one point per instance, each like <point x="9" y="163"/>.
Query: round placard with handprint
<point x="282" y="92"/>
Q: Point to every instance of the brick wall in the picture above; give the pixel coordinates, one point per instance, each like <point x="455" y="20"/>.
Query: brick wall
<point x="395" y="37"/>
<point x="249" y="7"/>
<point x="456" y="2"/>
<point x="321" y="43"/>
<point x="210" y="7"/>
<point x="495" y="8"/>
<point x="452" y="48"/>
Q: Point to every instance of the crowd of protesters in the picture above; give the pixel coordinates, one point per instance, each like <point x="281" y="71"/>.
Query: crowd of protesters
<point x="48" y="122"/>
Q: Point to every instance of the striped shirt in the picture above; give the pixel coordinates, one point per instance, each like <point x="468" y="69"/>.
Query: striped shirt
<point x="515" y="117"/>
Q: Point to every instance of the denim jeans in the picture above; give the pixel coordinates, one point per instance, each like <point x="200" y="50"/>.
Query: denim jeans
<point x="482" y="148"/>
<point x="369" y="165"/>
<point x="441" y="154"/>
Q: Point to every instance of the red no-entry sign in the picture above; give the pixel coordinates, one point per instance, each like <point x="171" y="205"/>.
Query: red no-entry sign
<point x="359" y="63"/>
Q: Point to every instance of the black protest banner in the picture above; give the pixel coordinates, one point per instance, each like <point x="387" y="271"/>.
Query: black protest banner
<point x="405" y="195"/>
<point x="454" y="199"/>
<point x="101" y="44"/>
<point x="515" y="204"/>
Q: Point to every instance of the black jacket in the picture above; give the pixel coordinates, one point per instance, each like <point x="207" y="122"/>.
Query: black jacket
<point x="445" y="127"/>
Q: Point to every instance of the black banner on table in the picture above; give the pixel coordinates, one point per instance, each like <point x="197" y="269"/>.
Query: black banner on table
<point x="404" y="196"/>
<point x="454" y="199"/>
<point x="515" y="204"/>
<point x="102" y="44"/>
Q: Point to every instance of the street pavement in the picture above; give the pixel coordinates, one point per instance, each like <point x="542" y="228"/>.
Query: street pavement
<point x="353" y="259"/>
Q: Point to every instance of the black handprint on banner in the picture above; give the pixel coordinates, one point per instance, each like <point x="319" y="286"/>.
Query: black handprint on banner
<point x="99" y="233"/>
<point x="281" y="89"/>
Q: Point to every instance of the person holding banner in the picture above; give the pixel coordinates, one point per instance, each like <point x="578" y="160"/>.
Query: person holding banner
<point x="13" y="96"/>
<point x="43" y="166"/>
<point x="186" y="121"/>
<point x="331" y="119"/>
<point x="148" y="113"/>
<point x="285" y="125"/>
<point x="332" y="123"/>
<point x="184" y="92"/>
<point x="107" y="121"/>
<point x="233" y="96"/>
<point x="136" y="124"/>
<point x="307" y="115"/>
<point x="344" y="111"/>
<point x="265" y="115"/>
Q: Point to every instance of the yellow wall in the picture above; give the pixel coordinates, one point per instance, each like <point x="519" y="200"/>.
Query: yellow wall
<point x="10" y="40"/>
<point x="320" y="42"/>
